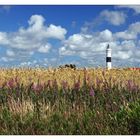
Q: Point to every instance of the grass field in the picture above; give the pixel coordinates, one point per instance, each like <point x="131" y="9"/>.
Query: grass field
<point x="66" y="101"/>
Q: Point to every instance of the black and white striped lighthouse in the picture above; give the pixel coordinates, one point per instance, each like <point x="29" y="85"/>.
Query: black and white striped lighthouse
<point x="108" y="57"/>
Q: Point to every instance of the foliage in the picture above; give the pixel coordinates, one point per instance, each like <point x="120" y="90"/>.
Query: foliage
<point x="68" y="101"/>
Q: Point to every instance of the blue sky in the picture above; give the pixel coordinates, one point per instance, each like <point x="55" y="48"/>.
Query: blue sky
<point x="55" y="35"/>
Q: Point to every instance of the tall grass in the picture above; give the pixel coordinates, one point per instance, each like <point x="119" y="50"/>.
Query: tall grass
<point x="66" y="101"/>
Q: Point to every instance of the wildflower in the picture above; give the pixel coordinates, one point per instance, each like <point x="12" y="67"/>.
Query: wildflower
<point x="136" y="88"/>
<point x="107" y="89"/>
<point x="98" y="81"/>
<point x="37" y="87"/>
<point x="130" y="85"/>
<point x="64" y="84"/>
<point x="92" y="93"/>
<point x="55" y="85"/>
<point x="10" y="83"/>
<point x="77" y="86"/>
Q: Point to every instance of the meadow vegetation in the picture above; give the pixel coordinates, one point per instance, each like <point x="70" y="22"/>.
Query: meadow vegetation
<point x="69" y="101"/>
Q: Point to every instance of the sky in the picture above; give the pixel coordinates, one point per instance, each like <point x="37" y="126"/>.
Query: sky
<point x="53" y="35"/>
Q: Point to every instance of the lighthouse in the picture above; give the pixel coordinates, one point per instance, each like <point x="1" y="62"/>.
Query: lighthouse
<point x="108" y="57"/>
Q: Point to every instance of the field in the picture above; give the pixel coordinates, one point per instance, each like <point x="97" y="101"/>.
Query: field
<point x="71" y="102"/>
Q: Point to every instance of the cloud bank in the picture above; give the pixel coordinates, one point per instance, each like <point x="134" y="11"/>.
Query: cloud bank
<point x="90" y="47"/>
<point x="34" y="37"/>
<point x="93" y="46"/>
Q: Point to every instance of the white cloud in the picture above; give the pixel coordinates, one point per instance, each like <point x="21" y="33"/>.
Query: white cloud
<point x="122" y="54"/>
<point x="92" y="47"/>
<point x="66" y="51"/>
<point x="3" y="38"/>
<point x="131" y="33"/>
<point x="46" y="60"/>
<point x="34" y="62"/>
<point x="10" y="53"/>
<point x="125" y="35"/>
<point x="135" y="27"/>
<point x="31" y="53"/>
<point x="105" y="35"/>
<point x="6" y="59"/>
<point x="136" y="8"/>
<point x="56" y="32"/>
<point x="44" y="49"/>
<point x="28" y="63"/>
<point x="22" y="43"/>
<point x="35" y="23"/>
<point x="85" y="45"/>
<point x="86" y="42"/>
<point x="34" y="37"/>
<point x="114" y="17"/>
<point x="128" y="44"/>
<point x="88" y="46"/>
<point x="25" y="63"/>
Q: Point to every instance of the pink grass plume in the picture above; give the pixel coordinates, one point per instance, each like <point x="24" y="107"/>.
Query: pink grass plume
<point x="92" y="92"/>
